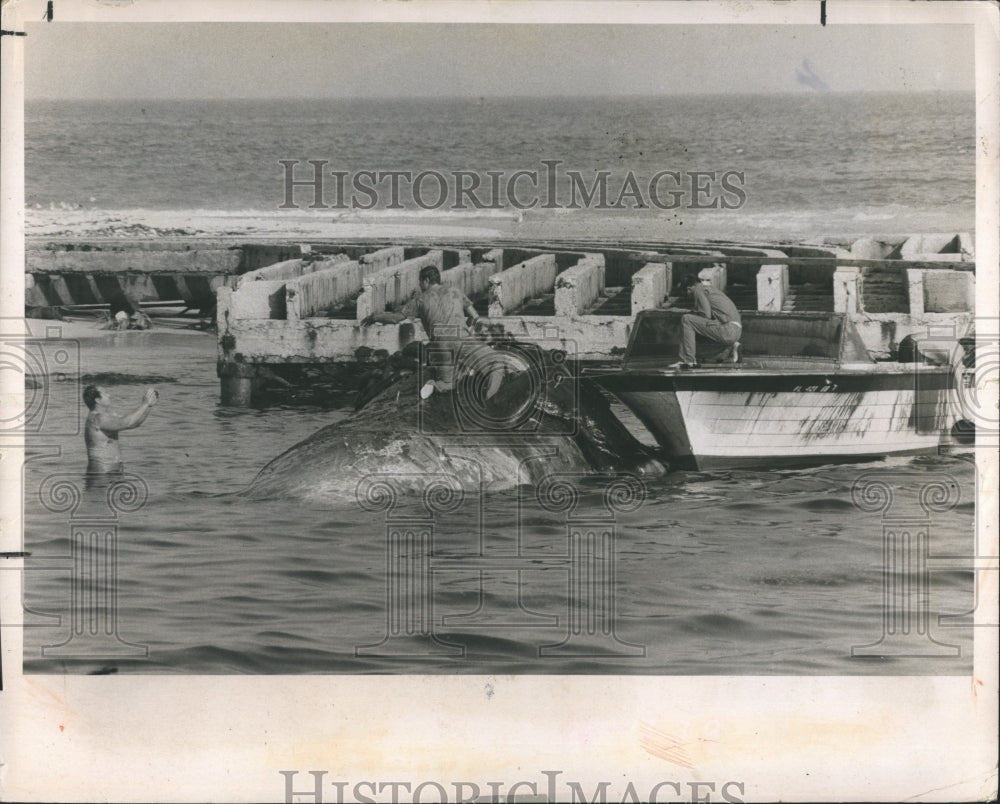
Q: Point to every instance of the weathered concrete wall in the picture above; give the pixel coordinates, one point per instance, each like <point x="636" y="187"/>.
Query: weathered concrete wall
<point x="393" y="285"/>
<point x="314" y="340"/>
<point x="319" y="291"/>
<point x="53" y="290"/>
<point x="380" y="260"/>
<point x="593" y="337"/>
<point x="882" y="332"/>
<point x="871" y="248"/>
<point x="941" y="291"/>
<point x="264" y="299"/>
<point x="847" y="290"/>
<point x="473" y="279"/>
<point x="772" y="288"/>
<point x="513" y="287"/>
<point x="211" y="261"/>
<point x="291" y="269"/>
<point x="577" y="288"/>
<point x="935" y="243"/>
<point x="650" y="286"/>
<point x="884" y="290"/>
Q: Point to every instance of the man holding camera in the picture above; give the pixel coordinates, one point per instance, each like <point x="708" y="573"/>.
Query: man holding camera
<point x="103" y="425"/>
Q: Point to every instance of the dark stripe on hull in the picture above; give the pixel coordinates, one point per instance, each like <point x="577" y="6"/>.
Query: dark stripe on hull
<point x="704" y="463"/>
<point x="784" y="382"/>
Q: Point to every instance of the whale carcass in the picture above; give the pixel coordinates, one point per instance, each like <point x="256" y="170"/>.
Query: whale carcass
<point x="537" y="423"/>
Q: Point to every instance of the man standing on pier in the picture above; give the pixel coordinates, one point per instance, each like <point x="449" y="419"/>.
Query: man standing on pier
<point x="442" y="310"/>
<point x="103" y="425"/>
<point x="715" y="317"/>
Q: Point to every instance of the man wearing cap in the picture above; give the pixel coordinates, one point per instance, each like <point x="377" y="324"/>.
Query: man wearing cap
<point x="715" y="317"/>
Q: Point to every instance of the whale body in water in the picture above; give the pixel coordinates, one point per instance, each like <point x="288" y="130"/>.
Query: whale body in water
<point x="530" y="428"/>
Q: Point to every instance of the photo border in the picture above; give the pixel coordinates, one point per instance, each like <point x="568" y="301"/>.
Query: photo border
<point x="227" y="738"/>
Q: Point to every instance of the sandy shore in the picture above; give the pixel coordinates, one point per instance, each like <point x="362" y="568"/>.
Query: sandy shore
<point x="249" y="225"/>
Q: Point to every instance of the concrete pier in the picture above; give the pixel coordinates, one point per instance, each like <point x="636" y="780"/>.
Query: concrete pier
<point x="307" y="310"/>
<point x="650" y="286"/>
<point x="100" y="271"/>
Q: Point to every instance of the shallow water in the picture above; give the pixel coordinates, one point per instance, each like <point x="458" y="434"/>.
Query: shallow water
<point x="739" y="572"/>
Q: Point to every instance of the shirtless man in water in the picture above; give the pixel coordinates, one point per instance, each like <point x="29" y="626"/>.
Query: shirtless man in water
<point x="103" y="426"/>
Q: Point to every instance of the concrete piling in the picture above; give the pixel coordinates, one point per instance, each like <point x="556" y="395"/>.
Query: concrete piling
<point x="237" y="381"/>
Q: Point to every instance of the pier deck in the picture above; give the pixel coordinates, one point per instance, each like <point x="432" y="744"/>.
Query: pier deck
<point x="576" y="296"/>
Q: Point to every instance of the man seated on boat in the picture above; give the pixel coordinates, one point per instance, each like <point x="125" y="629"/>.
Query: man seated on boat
<point x="442" y="311"/>
<point x="715" y="317"/>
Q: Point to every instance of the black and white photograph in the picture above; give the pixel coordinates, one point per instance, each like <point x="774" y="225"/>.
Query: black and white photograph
<point x="474" y="401"/>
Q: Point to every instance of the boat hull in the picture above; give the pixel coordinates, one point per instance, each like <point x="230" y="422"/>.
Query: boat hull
<point x="710" y="419"/>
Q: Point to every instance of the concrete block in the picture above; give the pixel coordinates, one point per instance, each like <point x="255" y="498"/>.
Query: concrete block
<point x="288" y="269"/>
<point x="948" y="291"/>
<point x="513" y="287"/>
<point x="456" y="256"/>
<point x="650" y="286"/>
<point x="495" y="256"/>
<point x="381" y="259"/>
<point x="256" y="300"/>
<point x="223" y="304"/>
<point x="772" y="287"/>
<point x="868" y="248"/>
<point x="473" y="279"/>
<point x="967" y="245"/>
<point x="915" y="290"/>
<point x="392" y="286"/>
<point x="929" y="244"/>
<point x="577" y="288"/>
<point x="847" y="290"/>
<point x="882" y="332"/>
<point x="318" y="291"/>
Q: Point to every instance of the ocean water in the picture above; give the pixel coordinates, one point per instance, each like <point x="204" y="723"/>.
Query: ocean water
<point x="811" y="164"/>
<point x="735" y="572"/>
<point x="739" y="572"/>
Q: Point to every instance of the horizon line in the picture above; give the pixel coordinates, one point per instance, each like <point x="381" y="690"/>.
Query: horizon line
<point x="474" y="97"/>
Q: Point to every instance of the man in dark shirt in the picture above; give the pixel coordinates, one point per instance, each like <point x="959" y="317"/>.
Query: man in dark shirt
<point x="715" y="318"/>
<point x="442" y="311"/>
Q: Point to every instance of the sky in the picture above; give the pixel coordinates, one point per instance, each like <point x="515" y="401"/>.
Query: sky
<point x="268" y="60"/>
